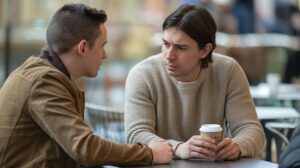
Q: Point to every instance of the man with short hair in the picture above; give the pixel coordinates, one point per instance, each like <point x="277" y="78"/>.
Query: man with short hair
<point x="41" y="108"/>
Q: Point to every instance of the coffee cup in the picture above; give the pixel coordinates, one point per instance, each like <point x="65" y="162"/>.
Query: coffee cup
<point x="212" y="130"/>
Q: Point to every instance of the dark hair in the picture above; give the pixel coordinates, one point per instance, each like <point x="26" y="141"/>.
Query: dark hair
<point x="72" y="23"/>
<point x="196" y="22"/>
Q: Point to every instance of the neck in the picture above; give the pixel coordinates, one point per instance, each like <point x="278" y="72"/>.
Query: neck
<point x="192" y="76"/>
<point x="197" y="74"/>
<point x="71" y="65"/>
<point x="54" y="59"/>
<point x="200" y="69"/>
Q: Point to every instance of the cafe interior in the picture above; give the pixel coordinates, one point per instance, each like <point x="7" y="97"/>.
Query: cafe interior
<point x="262" y="35"/>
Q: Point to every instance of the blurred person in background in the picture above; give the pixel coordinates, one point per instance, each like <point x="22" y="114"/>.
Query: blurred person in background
<point x="287" y="21"/>
<point x="290" y="156"/>
<point x="292" y="68"/>
<point x="221" y="11"/>
<point x="41" y="108"/>
<point x="244" y="12"/>
<point x="171" y="94"/>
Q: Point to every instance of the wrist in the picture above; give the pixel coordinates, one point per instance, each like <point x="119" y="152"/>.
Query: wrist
<point x="176" y="151"/>
<point x="174" y="144"/>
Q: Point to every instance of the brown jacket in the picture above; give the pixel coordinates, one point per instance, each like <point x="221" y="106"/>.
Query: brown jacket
<point x="41" y="124"/>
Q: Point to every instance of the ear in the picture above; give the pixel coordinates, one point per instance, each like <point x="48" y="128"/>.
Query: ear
<point x="82" y="47"/>
<point x="206" y="50"/>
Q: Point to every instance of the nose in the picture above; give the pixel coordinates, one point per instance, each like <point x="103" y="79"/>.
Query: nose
<point x="104" y="56"/>
<point x="170" y="53"/>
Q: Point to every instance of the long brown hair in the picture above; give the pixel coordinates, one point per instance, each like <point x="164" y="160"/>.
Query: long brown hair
<point x="196" y="22"/>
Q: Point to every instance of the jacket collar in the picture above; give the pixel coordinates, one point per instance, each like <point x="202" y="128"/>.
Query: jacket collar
<point x="50" y="56"/>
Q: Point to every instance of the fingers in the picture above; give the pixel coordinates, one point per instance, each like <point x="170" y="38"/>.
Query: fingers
<point x="227" y="150"/>
<point x="225" y="142"/>
<point x="197" y="146"/>
<point x="199" y="138"/>
<point x="199" y="155"/>
<point x="203" y="141"/>
<point x="205" y="147"/>
<point x="168" y="153"/>
<point x="202" y="152"/>
<point x="232" y="154"/>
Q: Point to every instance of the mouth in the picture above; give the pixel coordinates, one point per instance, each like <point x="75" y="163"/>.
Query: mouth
<point x="170" y="67"/>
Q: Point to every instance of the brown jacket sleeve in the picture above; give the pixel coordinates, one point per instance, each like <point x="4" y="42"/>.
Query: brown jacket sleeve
<point x="54" y="106"/>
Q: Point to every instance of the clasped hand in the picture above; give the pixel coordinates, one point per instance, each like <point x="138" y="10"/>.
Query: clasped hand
<point x="161" y="151"/>
<point x="207" y="148"/>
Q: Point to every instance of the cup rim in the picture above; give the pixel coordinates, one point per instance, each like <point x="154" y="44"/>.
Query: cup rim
<point x="210" y="128"/>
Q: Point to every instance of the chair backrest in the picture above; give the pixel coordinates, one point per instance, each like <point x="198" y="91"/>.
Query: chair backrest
<point x="107" y="122"/>
<point x="280" y="132"/>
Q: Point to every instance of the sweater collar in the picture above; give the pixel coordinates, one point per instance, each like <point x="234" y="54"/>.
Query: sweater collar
<point x="50" y="56"/>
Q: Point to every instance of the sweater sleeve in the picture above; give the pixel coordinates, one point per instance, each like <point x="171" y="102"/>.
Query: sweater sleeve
<point x="241" y="114"/>
<point x="140" y="116"/>
<point x="53" y="108"/>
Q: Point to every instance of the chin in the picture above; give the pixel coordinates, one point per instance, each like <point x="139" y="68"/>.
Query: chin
<point x="171" y="73"/>
<point x="92" y="75"/>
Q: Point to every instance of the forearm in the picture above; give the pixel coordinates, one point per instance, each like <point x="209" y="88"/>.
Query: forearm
<point x="247" y="131"/>
<point x="140" y="117"/>
<point x="123" y="154"/>
<point x="57" y="115"/>
<point x="139" y="133"/>
<point x="250" y="140"/>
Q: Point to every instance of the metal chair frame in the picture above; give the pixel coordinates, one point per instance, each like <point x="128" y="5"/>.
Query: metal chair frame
<point x="280" y="132"/>
<point x="107" y="122"/>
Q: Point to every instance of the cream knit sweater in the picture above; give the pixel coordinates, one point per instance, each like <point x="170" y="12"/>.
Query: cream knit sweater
<point x="158" y="106"/>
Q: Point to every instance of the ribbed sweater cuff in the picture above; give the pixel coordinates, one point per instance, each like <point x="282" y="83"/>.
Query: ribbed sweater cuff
<point x="174" y="145"/>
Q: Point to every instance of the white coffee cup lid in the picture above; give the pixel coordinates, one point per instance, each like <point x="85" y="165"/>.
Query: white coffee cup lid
<point x="210" y="128"/>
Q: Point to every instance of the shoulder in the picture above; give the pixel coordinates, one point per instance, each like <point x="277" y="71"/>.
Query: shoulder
<point x="224" y="63"/>
<point x="36" y="75"/>
<point x="222" y="60"/>
<point x="225" y="68"/>
<point x="35" y="68"/>
<point x="147" y="73"/>
<point x="148" y="65"/>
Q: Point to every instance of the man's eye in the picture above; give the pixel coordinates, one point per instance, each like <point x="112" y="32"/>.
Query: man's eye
<point x="181" y="48"/>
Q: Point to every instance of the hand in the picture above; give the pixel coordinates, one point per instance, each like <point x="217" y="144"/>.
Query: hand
<point x="227" y="150"/>
<point x="197" y="146"/>
<point x="162" y="152"/>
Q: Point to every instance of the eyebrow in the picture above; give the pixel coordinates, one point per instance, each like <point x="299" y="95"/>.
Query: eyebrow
<point x="178" y="45"/>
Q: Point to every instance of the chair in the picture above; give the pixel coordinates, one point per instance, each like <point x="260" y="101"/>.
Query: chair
<point x="280" y="132"/>
<point x="107" y="122"/>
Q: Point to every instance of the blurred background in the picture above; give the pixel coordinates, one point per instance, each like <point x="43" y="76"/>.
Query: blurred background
<point x="262" y="35"/>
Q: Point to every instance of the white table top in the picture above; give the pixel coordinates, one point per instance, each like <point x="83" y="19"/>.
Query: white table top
<point x="276" y="113"/>
<point x="285" y="92"/>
